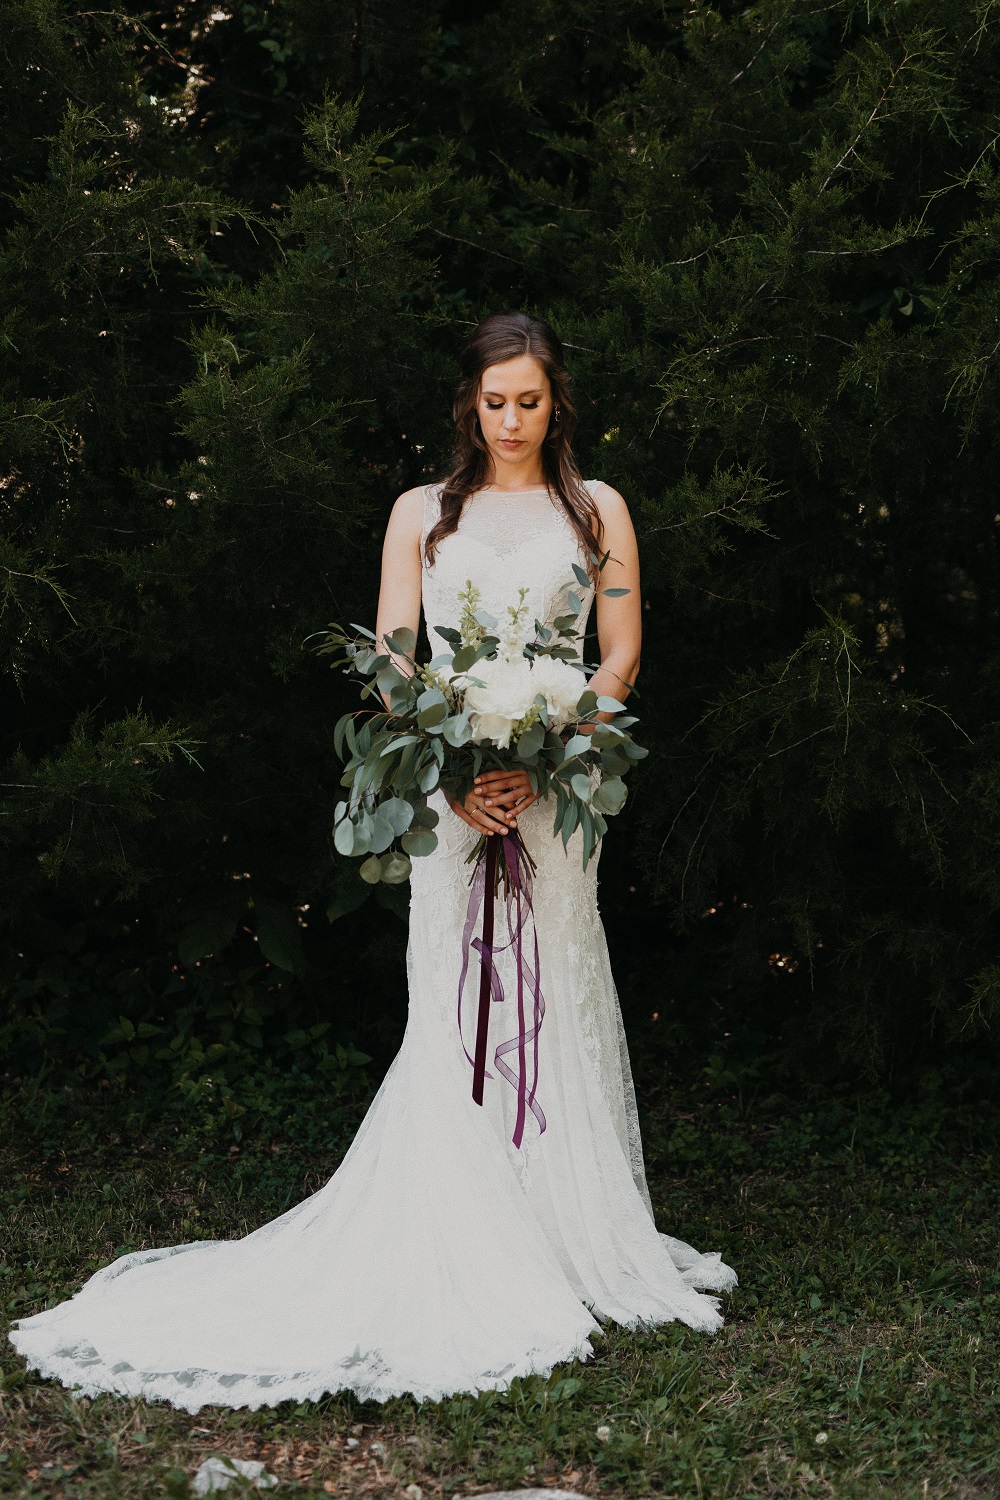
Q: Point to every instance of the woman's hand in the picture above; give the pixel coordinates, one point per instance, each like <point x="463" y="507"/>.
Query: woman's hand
<point x="495" y="801"/>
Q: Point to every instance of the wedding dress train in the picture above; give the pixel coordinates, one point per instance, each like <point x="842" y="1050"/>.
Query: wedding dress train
<point x="438" y="1258"/>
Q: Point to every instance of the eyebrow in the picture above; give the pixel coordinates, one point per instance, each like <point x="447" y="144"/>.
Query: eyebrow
<point x="536" y="392"/>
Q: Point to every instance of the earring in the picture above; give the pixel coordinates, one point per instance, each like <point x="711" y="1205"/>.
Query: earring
<point x="558" y="413"/>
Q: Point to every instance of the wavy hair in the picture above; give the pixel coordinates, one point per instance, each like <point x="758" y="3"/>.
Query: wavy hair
<point x="500" y="337"/>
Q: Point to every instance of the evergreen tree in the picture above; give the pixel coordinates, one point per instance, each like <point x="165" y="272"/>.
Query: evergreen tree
<point x="241" y="251"/>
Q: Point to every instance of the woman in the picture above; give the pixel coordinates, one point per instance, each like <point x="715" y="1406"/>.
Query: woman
<point x="439" y="1258"/>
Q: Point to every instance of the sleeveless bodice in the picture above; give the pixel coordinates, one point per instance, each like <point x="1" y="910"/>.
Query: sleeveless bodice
<point x="505" y="541"/>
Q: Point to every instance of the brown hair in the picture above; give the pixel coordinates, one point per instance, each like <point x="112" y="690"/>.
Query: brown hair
<point x="500" y="337"/>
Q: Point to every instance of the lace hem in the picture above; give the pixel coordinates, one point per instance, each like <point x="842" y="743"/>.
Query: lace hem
<point x="85" y="1373"/>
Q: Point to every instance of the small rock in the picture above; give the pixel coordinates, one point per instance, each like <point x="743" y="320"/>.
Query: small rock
<point x="217" y="1473"/>
<point x="377" y="1450"/>
<point x="529" y="1495"/>
<point x="351" y="1443"/>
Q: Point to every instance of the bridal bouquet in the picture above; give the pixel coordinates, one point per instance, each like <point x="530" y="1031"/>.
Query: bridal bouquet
<point x="503" y="696"/>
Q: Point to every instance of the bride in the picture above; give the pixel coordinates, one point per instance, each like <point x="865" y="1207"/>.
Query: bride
<point x="439" y="1258"/>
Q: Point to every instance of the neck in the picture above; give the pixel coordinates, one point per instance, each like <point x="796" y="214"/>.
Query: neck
<point x="525" y="475"/>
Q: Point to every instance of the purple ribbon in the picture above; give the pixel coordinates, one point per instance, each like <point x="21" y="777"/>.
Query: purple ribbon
<point x="518" y="906"/>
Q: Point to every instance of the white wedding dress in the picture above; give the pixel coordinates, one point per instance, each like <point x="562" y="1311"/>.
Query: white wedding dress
<point x="438" y="1258"/>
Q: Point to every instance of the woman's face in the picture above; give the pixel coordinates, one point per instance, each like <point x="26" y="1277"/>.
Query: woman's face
<point x="514" y="409"/>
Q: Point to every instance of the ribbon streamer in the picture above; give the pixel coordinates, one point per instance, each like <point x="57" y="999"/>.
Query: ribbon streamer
<point x="503" y="858"/>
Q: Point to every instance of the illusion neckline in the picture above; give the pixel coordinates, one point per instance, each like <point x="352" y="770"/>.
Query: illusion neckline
<point x="535" y="489"/>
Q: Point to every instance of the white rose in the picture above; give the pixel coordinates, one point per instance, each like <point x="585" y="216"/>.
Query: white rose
<point x="505" y="695"/>
<point x="561" y="684"/>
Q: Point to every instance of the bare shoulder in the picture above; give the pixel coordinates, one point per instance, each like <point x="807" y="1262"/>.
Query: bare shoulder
<point x="611" y="506"/>
<point x="407" y="518"/>
<point x="409" y="505"/>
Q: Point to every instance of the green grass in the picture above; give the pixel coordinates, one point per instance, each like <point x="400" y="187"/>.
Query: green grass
<point x="868" y="1246"/>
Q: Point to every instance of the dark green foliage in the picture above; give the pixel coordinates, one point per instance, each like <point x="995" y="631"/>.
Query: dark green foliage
<point x="241" y="250"/>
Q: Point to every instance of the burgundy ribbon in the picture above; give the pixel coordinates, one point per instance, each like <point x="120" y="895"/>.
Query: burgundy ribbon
<point x="509" y="848"/>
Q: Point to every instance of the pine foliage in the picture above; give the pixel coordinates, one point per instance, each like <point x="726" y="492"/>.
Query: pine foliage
<point x="240" y="250"/>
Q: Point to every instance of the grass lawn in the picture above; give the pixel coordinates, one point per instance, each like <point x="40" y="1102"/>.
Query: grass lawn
<point x="860" y="1355"/>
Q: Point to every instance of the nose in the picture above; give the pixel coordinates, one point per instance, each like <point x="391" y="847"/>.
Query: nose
<point x="511" y="418"/>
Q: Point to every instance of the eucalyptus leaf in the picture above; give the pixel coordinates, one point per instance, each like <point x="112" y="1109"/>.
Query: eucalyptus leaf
<point x="362" y="838"/>
<point x="420" y="841"/>
<point x="390" y="678"/>
<point x="371" y="870"/>
<point x="402" y="640"/>
<point x="398" y="741"/>
<point x="383" y="832"/>
<point x="432" y="719"/>
<point x="429" y="778"/>
<point x="343" y="837"/>
<point x="457" y="730"/>
<point x="395" y="868"/>
<point x="581" y="786"/>
<point x="610" y="795"/>
<point x="615" y="763"/>
<point x="609" y="705"/>
<point x="398" y="813"/>
<point x="531" y="741"/>
<point x="432" y="708"/>
<point x="464" y="659"/>
<point x="615" y="593"/>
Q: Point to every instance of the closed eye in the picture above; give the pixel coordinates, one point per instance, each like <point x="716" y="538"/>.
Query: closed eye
<point x="498" y="405"/>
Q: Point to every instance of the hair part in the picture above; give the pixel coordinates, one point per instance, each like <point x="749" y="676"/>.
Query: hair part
<point x="501" y="337"/>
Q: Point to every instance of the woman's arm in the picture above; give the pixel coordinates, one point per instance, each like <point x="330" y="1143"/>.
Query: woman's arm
<point x="619" y="621"/>
<point x="399" y="595"/>
<point x="399" y="605"/>
<point x="619" y="635"/>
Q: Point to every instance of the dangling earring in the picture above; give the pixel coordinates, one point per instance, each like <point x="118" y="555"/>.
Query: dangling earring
<point x="558" y="413"/>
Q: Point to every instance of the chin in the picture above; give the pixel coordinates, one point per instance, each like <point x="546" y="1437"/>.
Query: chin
<point x="515" y="455"/>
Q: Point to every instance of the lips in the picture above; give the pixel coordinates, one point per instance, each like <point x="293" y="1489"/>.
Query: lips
<point x="512" y="442"/>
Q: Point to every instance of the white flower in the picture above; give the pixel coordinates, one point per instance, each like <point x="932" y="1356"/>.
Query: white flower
<point x="561" y="684"/>
<point x="503" y="694"/>
<point x="822" y="1437"/>
<point x="603" y="1434"/>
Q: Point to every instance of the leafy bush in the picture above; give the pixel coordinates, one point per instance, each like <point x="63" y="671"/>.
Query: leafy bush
<point x="240" y="252"/>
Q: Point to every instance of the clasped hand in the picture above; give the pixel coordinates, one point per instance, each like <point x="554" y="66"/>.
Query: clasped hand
<point x="495" y="801"/>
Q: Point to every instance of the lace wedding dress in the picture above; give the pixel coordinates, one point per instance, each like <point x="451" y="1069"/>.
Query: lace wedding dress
<point x="438" y="1258"/>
